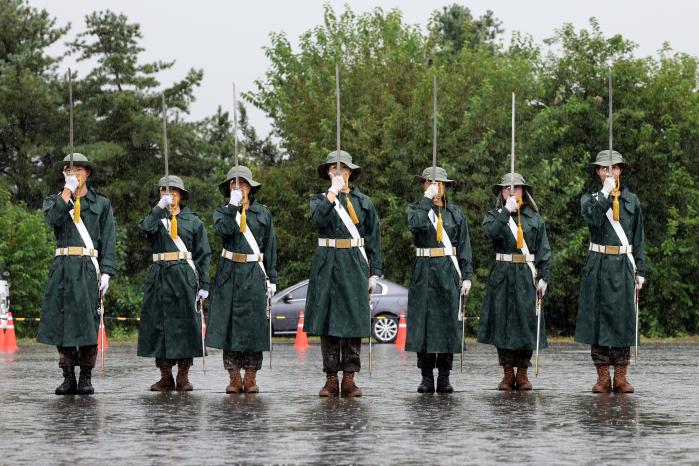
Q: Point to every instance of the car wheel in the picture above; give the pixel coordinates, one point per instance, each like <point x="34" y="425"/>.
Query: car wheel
<point x="384" y="329"/>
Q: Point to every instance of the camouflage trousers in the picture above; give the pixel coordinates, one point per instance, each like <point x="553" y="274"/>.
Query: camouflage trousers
<point x="341" y="354"/>
<point x="442" y="361"/>
<point x="515" y="358"/>
<point x="234" y="360"/>
<point x="172" y="362"/>
<point x="610" y="356"/>
<point x="71" y="356"/>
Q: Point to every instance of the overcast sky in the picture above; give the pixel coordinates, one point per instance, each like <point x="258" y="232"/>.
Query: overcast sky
<point x="225" y="37"/>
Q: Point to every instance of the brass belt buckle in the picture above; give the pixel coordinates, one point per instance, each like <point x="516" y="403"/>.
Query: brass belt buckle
<point x="343" y="243"/>
<point x="519" y="258"/>
<point x="612" y="250"/>
<point x="437" y="252"/>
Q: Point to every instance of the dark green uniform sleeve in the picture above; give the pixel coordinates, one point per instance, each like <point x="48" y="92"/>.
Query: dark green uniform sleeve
<point x="495" y="224"/>
<point x="224" y="221"/>
<point x="463" y="251"/>
<point x="639" y="241"/>
<point x="372" y="239"/>
<point x="270" y="252"/>
<point x="542" y="259"/>
<point x="594" y="208"/>
<point x="202" y="256"/>
<point x="107" y="254"/>
<point x="151" y="222"/>
<point x="321" y="210"/>
<point x="55" y="210"/>
<point x="418" y="216"/>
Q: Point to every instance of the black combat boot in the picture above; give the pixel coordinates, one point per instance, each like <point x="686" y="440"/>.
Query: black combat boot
<point x="85" y="382"/>
<point x="427" y="384"/>
<point x="69" y="385"/>
<point x="443" y="384"/>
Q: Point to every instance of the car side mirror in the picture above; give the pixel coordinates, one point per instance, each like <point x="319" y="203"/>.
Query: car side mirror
<point x="287" y="297"/>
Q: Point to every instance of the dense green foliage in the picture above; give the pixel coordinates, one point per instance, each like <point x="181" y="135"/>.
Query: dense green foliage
<point x="387" y="68"/>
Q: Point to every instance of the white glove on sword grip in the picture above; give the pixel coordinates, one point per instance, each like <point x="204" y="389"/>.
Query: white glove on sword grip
<point x="71" y="182"/>
<point x="511" y="204"/>
<point x="236" y="197"/>
<point x="202" y="295"/>
<point x="104" y="284"/>
<point x="608" y="187"/>
<point x="372" y="283"/>
<point x="338" y="183"/>
<point x="166" y="201"/>
<point x="432" y="191"/>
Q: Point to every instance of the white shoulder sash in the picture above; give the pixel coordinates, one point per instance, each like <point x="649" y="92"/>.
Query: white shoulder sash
<point x="85" y="235"/>
<point x="445" y="240"/>
<point x="525" y="248"/>
<point x="619" y="230"/>
<point x="250" y="238"/>
<point x="180" y="246"/>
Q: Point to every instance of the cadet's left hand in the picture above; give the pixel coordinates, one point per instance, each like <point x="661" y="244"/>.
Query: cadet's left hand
<point x="202" y="295"/>
<point x="372" y="283"/>
<point x="104" y="284"/>
<point x="541" y="287"/>
<point x="465" y="287"/>
<point x="639" y="282"/>
<point x="272" y="290"/>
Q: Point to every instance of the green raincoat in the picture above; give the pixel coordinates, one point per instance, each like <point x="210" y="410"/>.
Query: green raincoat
<point x="435" y="286"/>
<point x="337" y="302"/>
<point x="606" y="311"/>
<point x="170" y="324"/>
<point x="238" y="310"/>
<point x="69" y="315"/>
<point x="508" y="315"/>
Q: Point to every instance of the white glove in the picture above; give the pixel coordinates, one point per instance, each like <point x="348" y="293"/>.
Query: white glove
<point x="338" y="182"/>
<point x="104" y="284"/>
<point x="639" y="282"/>
<point x="166" y="201"/>
<point x="511" y="204"/>
<point x="236" y="197"/>
<point x="541" y="287"/>
<point x="372" y="283"/>
<point x="432" y="191"/>
<point x="609" y="186"/>
<point x="71" y="182"/>
<point x="202" y="295"/>
<point x="465" y="287"/>
<point x="271" y="291"/>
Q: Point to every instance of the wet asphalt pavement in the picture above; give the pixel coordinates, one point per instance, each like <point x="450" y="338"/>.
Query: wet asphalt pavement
<point x="559" y="422"/>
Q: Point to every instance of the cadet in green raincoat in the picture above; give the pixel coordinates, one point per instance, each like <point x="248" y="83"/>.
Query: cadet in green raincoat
<point x="79" y="276"/>
<point x="441" y="279"/>
<point x="344" y="271"/>
<point x="170" y="328"/>
<point x="508" y="317"/>
<point x="613" y="273"/>
<point x="245" y="280"/>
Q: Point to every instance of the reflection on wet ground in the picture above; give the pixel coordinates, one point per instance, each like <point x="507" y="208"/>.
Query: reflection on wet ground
<point x="559" y="422"/>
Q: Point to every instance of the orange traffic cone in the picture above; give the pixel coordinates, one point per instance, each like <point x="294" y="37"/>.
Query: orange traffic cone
<point x="402" y="332"/>
<point x="10" y="337"/>
<point x="3" y="324"/>
<point x="301" y="342"/>
<point x="102" y="337"/>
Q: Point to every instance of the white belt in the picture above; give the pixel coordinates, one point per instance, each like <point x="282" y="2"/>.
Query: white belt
<point x="240" y="257"/>
<point x="516" y="258"/>
<point x="341" y="243"/>
<point x="172" y="256"/>
<point x="435" y="252"/>
<point x="611" y="250"/>
<point x="76" y="251"/>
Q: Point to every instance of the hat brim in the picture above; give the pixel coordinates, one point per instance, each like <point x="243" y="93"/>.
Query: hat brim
<point x="185" y="193"/>
<point x="498" y="187"/>
<point x="422" y="178"/>
<point x="324" y="167"/>
<point x="62" y="164"/>
<point x="225" y="189"/>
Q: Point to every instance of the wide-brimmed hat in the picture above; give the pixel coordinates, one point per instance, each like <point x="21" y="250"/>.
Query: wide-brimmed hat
<point x="440" y="175"/>
<point x="241" y="172"/>
<point x="331" y="159"/>
<point x="79" y="160"/>
<point x="602" y="159"/>
<point x="511" y="179"/>
<point x="174" y="182"/>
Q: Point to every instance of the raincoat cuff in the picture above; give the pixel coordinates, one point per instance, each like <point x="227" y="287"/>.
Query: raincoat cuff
<point x="108" y="269"/>
<point x="503" y="216"/>
<point x="605" y="203"/>
<point x="376" y="272"/>
<point x="326" y="207"/>
<point x="425" y="204"/>
<point x="61" y="205"/>
<point x="230" y="209"/>
<point x="157" y="211"/>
